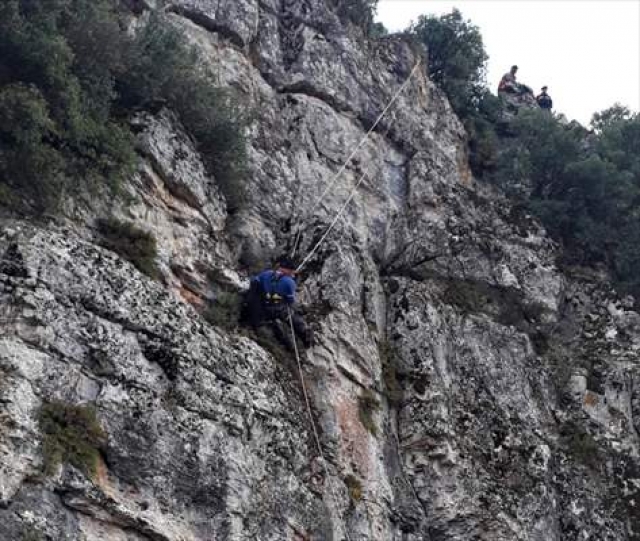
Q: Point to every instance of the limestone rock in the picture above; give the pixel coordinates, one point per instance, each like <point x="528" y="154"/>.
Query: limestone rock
<point x="463" y="387"/>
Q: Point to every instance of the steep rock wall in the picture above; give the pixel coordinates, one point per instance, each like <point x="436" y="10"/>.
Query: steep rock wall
<point x="433" y="297"/>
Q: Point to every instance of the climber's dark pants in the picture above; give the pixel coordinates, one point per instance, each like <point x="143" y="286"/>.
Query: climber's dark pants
<point x="257" y="312"/>
<point x="281" y="327"/>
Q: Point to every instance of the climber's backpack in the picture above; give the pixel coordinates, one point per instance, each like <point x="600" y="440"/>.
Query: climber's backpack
<point x="271" y="298"/>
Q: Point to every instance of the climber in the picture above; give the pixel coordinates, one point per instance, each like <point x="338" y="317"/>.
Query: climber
<point x="508" y="82"/>
<point x="544" y="100"/>
<point x="271" y="297"/>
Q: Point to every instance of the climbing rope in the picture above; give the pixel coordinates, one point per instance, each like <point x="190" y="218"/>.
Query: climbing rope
<point x="351" y="156"/>
<point x="313" y="424"/>
<point x="332" y="225"/>
<point x="313" y="251"/>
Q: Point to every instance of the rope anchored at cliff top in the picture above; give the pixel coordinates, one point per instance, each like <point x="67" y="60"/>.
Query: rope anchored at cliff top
<point x="316" y="247"/>
<point x="335" y="178"/>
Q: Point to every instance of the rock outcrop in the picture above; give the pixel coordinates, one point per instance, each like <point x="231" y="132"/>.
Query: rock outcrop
<point x="464" y="387"/>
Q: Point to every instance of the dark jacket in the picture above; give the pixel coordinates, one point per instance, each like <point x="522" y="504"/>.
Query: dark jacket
<point x="544" y="101"/>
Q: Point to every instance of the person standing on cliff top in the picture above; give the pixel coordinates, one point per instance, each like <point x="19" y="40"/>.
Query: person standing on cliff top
<point x="544" y="100"/>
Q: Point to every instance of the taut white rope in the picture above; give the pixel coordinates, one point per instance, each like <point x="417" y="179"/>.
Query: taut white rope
<point x="355" y="151"/>
<point x="335" y="221"/>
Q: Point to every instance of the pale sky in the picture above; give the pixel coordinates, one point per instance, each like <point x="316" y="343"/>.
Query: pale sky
<point x="586" y="51"/>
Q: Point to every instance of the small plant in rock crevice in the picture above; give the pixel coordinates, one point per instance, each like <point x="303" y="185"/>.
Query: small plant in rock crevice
<point x="29" y="533"/>
<point x="392" y="387"/>
<point x="132" y="243"/>
<point x="70" y="434"/>
<point x="368" y="405"/>
<point x="354" y="486"/>
<point x="224" y="310"/>
<point x="581" y="445"/>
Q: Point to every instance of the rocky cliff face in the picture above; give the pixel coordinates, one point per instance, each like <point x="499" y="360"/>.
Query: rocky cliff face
<point x="463" y="386"/>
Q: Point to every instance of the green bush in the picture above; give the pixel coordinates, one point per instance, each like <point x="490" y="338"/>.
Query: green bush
<point x="70" y="75"/>
<point x="614" y="116"/>
<point x="483" y="124"/>
<point x="580" y="445"/>
<point x="7" y="197"/>
<point x="457" y="64"/>
<point x="211" y="117"/>
<point x="392" y="387"/>
<point x="224" y="310"/>
<point x="368" y="405"/>
<point x="162" y="67"/>
<point x="57" y="136"/>
<point x="466" y="296"/>
<point x="130" y="242"/>
<point x="70" y="434"/>
<point x="360" y="13"/>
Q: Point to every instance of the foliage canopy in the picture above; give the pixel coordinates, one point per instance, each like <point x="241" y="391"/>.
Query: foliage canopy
<point x="457" y="58"/>
<point x="70" y="75"/>
<point x="583" y="185"/>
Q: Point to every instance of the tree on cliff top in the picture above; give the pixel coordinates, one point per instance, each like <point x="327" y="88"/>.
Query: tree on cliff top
<point x="457" y="59"/>
<point x="361" y="13"/>
<point x="457" y="64"/>
<point x="584" y="187"/>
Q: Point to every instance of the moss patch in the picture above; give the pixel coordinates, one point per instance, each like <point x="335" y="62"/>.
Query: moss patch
<point x="367" y="406"/>
<point x="70" y="434"/>
<point x="580" y="445"/>
<point x="393" y="390"/>
<point x="29" y="533"/>
<point x="354" y="486"/>
<point x="224" y="311"/>
<point x="130" y="242"/>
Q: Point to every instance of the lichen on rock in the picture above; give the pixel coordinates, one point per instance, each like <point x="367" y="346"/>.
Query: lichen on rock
<point x="462" y="385"/>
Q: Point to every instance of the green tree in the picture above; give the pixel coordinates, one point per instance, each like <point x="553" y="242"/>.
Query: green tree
<point x="26" y="159"/>
<point x="361" y="13"/>
<point x="457" y="59"/>
<point x="613" y="115"/>
<point x="161" y="67"/>
<point x="457" y="64"/>
<point x="584" y="186"/>
<point x="73" y="144"/>
<point x="70" y="75"/>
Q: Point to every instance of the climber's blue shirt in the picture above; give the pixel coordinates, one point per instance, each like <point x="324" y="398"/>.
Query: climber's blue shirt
<point x="276" y="284"/>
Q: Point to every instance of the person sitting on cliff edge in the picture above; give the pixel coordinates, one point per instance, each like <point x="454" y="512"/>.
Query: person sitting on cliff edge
<point x="509" y="84"/>
<point x="270" y="299"/>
